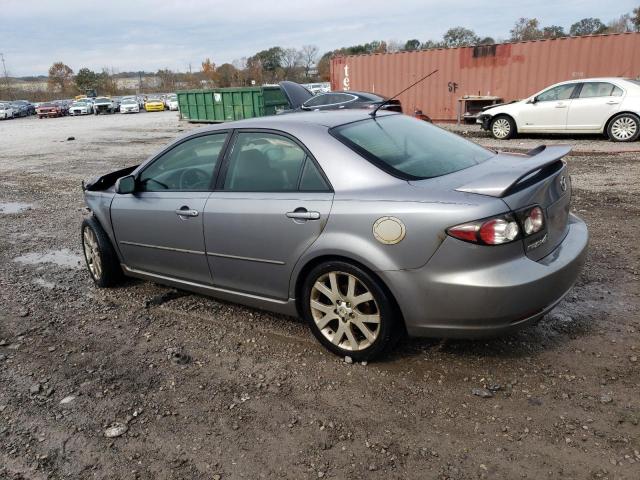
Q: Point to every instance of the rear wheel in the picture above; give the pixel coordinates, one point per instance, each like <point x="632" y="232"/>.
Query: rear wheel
<point x="101" y="259"/>
<point x="348" y="311"/>
<point x="624" y="128"/>
<point x="503" y="127"/>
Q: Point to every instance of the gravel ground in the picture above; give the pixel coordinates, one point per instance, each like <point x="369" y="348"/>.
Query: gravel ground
<point x="147" y="382"/>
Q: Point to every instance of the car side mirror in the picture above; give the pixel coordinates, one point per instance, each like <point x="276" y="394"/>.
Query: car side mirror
<point x="532" y="100"/>
<point x="126" y="185"/>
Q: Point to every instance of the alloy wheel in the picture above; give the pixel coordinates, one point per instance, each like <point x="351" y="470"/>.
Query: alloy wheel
<point x="501" y="128"/>
<point x="92" y="253"/>
<point x="345" y="311"/>
<point x="624" y="128"/>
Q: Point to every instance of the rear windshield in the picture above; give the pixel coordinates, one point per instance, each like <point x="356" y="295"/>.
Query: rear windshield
<point x="409" y="148"/>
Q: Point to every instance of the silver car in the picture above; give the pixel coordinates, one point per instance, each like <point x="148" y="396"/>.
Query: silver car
<point x="367" y="226"/>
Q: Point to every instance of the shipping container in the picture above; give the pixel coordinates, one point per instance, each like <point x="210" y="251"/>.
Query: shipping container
<point x="509" y="71"/>
<point x="227" y="104"/>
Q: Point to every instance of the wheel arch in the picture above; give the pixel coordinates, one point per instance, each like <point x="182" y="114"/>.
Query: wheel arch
<point x="610" y="119"/>
<point x="504" y="114"/>
<point x="314" y="262"/>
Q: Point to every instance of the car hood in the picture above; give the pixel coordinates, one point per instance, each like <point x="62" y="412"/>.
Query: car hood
<point x="296" y="94"/>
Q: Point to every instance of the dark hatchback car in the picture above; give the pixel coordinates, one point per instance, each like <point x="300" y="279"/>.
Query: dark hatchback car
<point x="302" y="99"/>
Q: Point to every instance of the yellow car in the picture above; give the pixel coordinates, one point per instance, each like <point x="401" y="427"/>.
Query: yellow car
<point x="154" y="105"/>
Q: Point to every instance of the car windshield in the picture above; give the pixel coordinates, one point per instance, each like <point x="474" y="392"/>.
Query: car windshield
<point x="409" y="148"/>
<point x="102" y="100"/>
<point x="129" y="100"/>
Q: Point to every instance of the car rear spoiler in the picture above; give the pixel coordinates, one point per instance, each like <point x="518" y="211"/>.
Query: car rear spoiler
<point x="510" y="172"/>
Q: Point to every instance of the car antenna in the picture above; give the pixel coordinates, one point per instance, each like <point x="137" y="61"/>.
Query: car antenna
<point x="373" y="114"/>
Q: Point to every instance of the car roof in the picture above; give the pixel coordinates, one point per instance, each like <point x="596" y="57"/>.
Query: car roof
<point x="325" y="118"/>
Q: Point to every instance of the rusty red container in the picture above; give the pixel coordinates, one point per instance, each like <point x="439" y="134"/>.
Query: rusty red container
<point x="511" y="70"/>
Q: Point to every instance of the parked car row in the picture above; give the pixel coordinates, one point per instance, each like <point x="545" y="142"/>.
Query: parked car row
<point x="15" y="109"/>
<point x="88" y="106"/>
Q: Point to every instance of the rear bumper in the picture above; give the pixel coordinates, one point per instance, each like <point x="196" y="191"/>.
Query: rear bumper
<point x="449" y="297"/>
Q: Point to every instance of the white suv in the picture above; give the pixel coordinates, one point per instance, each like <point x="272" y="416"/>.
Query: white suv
<point x="608" y="106"/>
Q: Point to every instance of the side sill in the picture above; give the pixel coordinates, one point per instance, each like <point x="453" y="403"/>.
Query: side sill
<point x="286" y="307"/>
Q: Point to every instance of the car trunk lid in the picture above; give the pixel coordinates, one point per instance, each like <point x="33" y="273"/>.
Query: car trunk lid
<point x="538" y="177"/>
<point x="296" y="94"/>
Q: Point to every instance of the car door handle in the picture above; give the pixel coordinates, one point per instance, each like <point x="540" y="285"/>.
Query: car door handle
<point x="300" y="214"/>
<point x="187" y="212"/>
<point x="560" y="105"/>
<point x="612" y="102"/>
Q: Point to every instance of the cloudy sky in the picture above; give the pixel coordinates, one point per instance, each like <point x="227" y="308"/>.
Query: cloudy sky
<point x="147" y="35"/>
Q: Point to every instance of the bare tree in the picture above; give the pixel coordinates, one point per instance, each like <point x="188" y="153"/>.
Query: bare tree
<point x="291" y="60"/>
<point x="622" y="24"/>
<point x="60" y="77"/>
<point x="309" y="59"/>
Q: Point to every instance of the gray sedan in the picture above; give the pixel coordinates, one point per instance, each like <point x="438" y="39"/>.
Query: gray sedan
<point x="367" y="226"/>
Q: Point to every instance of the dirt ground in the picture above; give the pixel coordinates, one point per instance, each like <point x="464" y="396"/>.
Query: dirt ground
<point x="210" y="390"/>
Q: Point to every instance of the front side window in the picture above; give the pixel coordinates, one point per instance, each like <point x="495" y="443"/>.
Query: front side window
<point x="188" y="166"/>
<point x="409" y="148"/>
<point x="561" y="92"/>
<point x="264" y="162"/>
<point x="599" y="89"/>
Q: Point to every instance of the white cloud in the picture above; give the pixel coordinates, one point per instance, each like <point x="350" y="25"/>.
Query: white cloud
<point x="150" y="34"/>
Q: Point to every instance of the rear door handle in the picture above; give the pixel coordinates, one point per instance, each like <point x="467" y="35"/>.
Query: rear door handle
<point x="186" y="212"/>
<point x="560" y="105"/>
<point x="300" y="214"/>
<point x="612" y="102"/>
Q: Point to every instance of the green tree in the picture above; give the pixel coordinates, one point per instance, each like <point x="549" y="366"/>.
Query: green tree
<point x="587" y="26"/>
<point x="410" y="45"/>
<point x="486" y="41"/>
<point x="553" y="31"/>
<point x="60" y="77"/>
<point x="460" y="37"/>
<point x="86" y="79"/>
<point x="526" y="29"/>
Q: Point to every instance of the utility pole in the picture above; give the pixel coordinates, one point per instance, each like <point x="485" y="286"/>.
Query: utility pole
<point x="6" y="77"/>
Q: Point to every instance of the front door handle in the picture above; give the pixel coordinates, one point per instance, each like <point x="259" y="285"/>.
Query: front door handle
<point x="303" y="214"/>
<point x="187" y="212"/>
<point x="560" y="105"/>
<point x="612" y="102"/>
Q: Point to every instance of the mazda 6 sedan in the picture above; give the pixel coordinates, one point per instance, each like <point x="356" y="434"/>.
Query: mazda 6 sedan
<point x="366" y="226"/>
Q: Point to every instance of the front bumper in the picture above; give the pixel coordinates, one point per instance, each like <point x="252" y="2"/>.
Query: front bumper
<point x="450" y="297"/>
<point x="483" y="120"/>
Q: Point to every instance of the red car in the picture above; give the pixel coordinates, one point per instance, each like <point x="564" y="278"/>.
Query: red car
<point x="49" y="110"/>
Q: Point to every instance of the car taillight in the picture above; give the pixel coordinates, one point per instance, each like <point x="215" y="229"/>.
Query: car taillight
<point x="533" y="220"/>
<point x="492" y="231"/>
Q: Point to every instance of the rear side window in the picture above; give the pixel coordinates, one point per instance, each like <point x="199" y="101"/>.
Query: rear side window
<point x="264" y="162"/>
<point x="409" y="148"/>
<point x="599" y="89"/>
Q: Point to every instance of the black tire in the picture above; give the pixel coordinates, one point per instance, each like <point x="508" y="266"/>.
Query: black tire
<point x="624" y="127"/>
<point x="389" y="319"/>
<point x="109" y="274"/>
<point x="502" y="127"/>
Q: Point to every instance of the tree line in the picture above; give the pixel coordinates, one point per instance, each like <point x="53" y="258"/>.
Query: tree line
<point x="306" y="64"/>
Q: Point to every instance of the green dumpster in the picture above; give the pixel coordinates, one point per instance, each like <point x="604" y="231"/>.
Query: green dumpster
<point x="227" y="104"/>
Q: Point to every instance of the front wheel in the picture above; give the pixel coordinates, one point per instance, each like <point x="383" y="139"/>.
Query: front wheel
<point x="502" y="127"/>
<point x="101" y="259"/>
<point x="349" y="311"/>
<point x="624" y="128"/>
